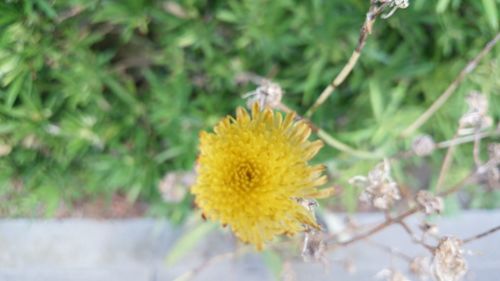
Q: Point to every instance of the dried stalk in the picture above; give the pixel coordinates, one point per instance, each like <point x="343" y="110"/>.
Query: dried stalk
<point x="373" y="12"/>
<point x="482" y="234"/>
<point x="445" y="166"/>
<point x="379" y="227"/>
<point x="208" y="262"/>
<point x="330" y="140"/>
<point x="398" y="219"/>
<point x="390" y="250"/>
<point x="451" y="88"/>
<point x="413" y="237"/>
<point x="466" y="139"/>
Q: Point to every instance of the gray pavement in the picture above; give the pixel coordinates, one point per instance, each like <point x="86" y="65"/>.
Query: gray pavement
<point x="135" y="250"/>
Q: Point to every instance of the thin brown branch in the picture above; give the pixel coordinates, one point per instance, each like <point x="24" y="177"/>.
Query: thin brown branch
<point x="373" y="12"/>
<point x="445" y="166"/>
<point x="476" y="148"/>
<point x="413" y="237"/>
<point x="482" y="234"/>
<point x="467" y="139"/>
<point x="379" y="227"/>
<point x="451" y="88"/>
<point x="208" y="262"/>
<point x="391" y="250"/>
<point x="457" y="186"/>
<point x="390" y="221"/>
<point x="330" y="140"/>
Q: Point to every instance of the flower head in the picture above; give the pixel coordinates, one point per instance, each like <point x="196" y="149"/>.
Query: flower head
<point x="253" y="170"/>
<point x="379" y="188"/>
<point x="449" y="263"/>
<point x="429" y="203"/>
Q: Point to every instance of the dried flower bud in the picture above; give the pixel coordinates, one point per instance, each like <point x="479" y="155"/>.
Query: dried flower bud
<point x="395" y="4"/>
<point x="174" y="185"/>
<point x="429" y="228"/>
<point x="477" y="102"/>
<point x="31" y="142"/>
<point x="420" y="266"/>
<point x="391" y="275"/>
<point x="489" y="173"/>
<point x="314" y="248"/>
<point x="423" y="145"/>
<point x="267" y="94"/>
<point x="379" y="187"/>
<point x="402" y="4"/>
<point x="494" y="152"/>
<point x="449" y="263"/>
<point x="5" y="149"/>
<point x="476" y="116"/>
<point x="429" y="203"/>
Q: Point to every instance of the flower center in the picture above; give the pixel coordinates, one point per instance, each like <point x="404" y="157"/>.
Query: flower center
<point x="245" y="176"/>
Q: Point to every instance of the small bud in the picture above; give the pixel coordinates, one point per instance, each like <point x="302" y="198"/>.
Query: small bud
<point x="174" y="185"/>
<point x="379" y="187"/>
<point x="391" y="275"/>
<point x="314" y="248"/>
<point x="267" y="94"/>
<point x="420" y="266"/>
<point x="476" y="116"/>
<point x="429" y="203"/>
<point x="429" y="228"/>
<point x="423" y="145"/>
<point x="5" y="149"/>
<point x="449" y="263"/>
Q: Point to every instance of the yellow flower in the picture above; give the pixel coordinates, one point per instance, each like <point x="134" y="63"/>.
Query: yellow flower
<point x="253" y="170"/>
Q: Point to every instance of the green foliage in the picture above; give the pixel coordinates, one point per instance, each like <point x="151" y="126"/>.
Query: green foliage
<point x="106" y="96"/>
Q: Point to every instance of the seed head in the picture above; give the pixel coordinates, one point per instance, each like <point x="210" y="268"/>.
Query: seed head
<point x="449" y="263"/>
<point x="379" y="188"/>
<point x="423" y="145"/>
<point x="429" y="203"/>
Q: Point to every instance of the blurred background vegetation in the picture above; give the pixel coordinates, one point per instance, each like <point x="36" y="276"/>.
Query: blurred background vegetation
<point x="99" y="98"/>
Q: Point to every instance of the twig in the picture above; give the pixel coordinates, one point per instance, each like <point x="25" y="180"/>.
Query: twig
<point x="74" y="11"/>
<point x="379" y="227"/>
<point x="330" y="140"/>
<point x="445" y="166"/>
<point x="373" y="12"/>
<point x="476" y="147"/>
<point x="466" y="139"/>
<point x="410" y="232"/>
<point x="390" y="221"/>
<point x="451" y="88"/>
<point x="212" y="260"/>
<point x="481" y="235"/>
<point x="390" y="250"/>
<point x="457" y="186"/>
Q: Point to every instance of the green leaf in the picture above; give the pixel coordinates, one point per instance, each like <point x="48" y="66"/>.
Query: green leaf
<point x="376" y="99"/>
<point x="274" y="262"/>
<point x="188" y="242"/>
<point x="442" y="6"/>
<point x="46" y="8"/>
<point x="491" y="13"/>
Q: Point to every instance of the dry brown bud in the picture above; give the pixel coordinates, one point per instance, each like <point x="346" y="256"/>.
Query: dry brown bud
<point x="429" y="203"/>
<point x="267" y="94"/>
<point x="5" y="149"/>
<point x="449" y="263"/>
<point x="420" y="266"/>
<point x="174" y="185"/>
<point x="423" y="145"/>
<point x="391" y="275"/>
<point x="314" y="248"/>
<point x="429" y="228"/>
<point x="379" y="187"/>
<point x="476" y="116"/>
